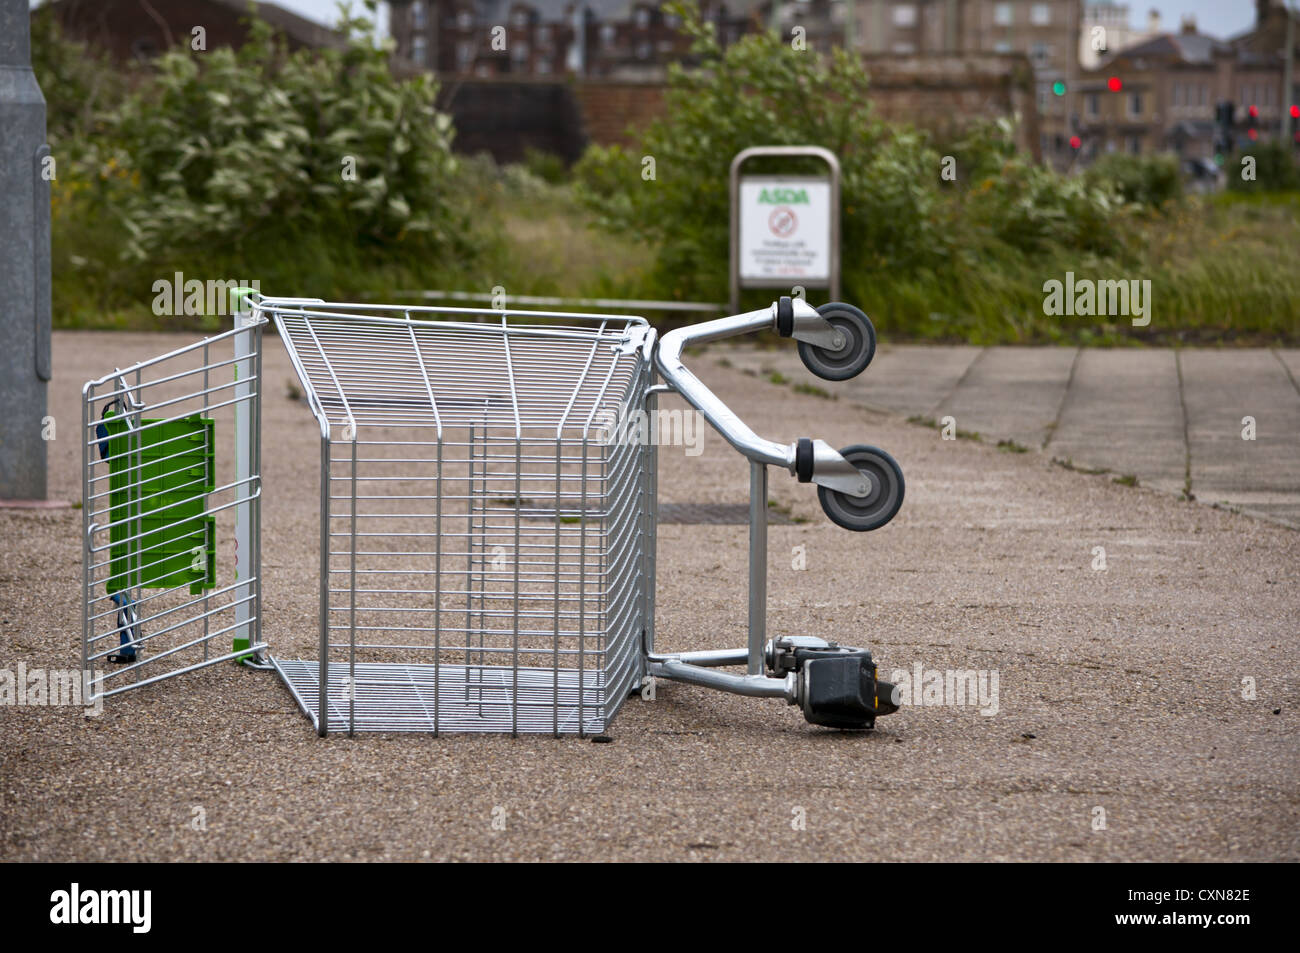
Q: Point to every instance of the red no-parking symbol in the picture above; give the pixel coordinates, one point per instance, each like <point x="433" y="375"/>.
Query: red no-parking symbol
<point x="782" y="222"/>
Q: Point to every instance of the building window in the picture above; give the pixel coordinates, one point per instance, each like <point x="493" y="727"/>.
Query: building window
<point x="543" y="66"/>
<point x="1039" y="52"/>
<point x="520" y="19"/>
<point x="642" y="18"/>
<point x="1135" y="145"/>
<point x="1002" y="46"/>
<point x="1002" y="14"/>
<point x="1042" y="96"/>
<point x="1200" y="94"/>
<point x="419" y="50"/>
<point x="1178" y="94"/>
<point x="904" y="15"/>
<point x="519" y="51"/>
<point x="418" y="15"/>
<point x="543" y="36"/>
<point x="465" y="20"/>
<point x="643" y="50"/>
<point x="1135" y="104"/>
<point x="1093" y="102"/>
<point x="903" y="48"/>
<point x="1040" y="14"/>
<point x="607" y="34"/>
<point x="464" y="55"/>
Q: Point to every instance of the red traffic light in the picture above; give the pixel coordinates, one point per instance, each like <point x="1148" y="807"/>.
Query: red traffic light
<point x="1295" y="112"/>
<point x="1253" y="133"/>
<point x="1075" y="142"/>
<point x="1115" y="84"/>
<point x="1254" y="112"/>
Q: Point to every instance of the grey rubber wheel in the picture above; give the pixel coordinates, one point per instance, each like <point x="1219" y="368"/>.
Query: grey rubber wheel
<point x="878" y="507"/>
<point x="859" y="344"/>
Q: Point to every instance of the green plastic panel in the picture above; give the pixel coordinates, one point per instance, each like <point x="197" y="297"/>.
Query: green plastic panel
<point x="159" y="480"/>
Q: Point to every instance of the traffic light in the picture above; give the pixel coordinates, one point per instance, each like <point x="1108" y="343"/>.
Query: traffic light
<point x="1223" y="141"/>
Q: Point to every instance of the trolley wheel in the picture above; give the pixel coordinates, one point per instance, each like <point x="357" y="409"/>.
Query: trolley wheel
<point x="876" y="508"/>
<point x="858" y="349"/>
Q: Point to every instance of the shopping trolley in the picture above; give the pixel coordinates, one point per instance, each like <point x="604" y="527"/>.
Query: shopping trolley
<point x="488" y="516"/>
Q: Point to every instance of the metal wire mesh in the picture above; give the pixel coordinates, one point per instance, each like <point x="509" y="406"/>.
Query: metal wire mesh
<point x="164" y="588"/>
<point x="485" y="521"/>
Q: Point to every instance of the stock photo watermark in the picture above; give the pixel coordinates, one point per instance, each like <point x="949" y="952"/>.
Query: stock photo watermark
<point x="950" y="688"/>
<point x="50" y="688"/>
<point x="1101" y="298"/>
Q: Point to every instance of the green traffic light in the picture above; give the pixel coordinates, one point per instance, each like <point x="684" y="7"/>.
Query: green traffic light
<point x="1059" y="88"/>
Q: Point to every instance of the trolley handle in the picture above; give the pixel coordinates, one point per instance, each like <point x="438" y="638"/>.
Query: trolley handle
<point x="810" y="460"/>
<point x="859" y="487"/>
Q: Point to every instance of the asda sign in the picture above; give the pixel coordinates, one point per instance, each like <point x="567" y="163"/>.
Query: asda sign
<point x="783" y="197"/>
<point x="784" y="231"/>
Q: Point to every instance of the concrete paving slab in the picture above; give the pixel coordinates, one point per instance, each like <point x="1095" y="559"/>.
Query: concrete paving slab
<point x="1123" y="413"/>
<point x="1222" y="388"/>
<point x="907" y="379"/>
<point x="1012" y="393"/>
<point x="1290" y="358"/>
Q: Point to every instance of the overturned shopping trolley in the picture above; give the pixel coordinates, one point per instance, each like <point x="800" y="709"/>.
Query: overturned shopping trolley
<point x="487" y="521"/>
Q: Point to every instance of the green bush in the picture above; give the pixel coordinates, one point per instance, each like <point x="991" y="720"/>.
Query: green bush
<point x="78" y="82"/>
<point x="672" y="191"/>
<point x="239" y="146"/>
<point x="1276" y="168"/>
<point x="1144" y="180"/>
<point x="899" y="218"/>
<point x="314" y="172"/>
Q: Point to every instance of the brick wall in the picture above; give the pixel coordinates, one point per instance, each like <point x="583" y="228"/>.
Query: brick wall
<point x="505" y="116"/>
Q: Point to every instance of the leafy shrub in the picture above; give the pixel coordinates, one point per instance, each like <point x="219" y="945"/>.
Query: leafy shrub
<point x="1276" y="168"/>
<point x="758" y="91"/>
<point x="252" y="149"/>
<point x="78" y="83"/>
<point x="898" y="216"/>
<point x="1144" y="180"/>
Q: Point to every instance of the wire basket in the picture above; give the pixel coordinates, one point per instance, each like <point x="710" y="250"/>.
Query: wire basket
<point x="484" y="523"/>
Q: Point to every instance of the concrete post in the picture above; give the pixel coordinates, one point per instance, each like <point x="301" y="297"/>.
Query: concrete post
<point x="25" y="174"/>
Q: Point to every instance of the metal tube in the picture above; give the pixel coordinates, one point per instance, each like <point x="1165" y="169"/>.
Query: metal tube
<point x="352" y="599"/>
<point x="757" y="566"/>
<point x="323" y="681"/>
<point x="668" y="358"/>
<point x="754" y="686"/>
<point x="87" y="672"/>
<point x="706" y="658"/>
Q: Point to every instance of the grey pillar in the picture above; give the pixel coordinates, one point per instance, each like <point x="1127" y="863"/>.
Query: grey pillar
<point x="24" y="263"/>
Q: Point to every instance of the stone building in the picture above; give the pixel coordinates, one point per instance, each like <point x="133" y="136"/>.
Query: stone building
<point x="1163" y="94"/>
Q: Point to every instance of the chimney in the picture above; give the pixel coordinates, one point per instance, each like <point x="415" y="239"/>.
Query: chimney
<point x="1189" y="23"/>
<point x="1153" y="21"/>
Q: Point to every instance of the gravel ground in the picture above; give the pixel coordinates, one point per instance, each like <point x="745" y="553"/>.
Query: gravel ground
<point x="1118" y="690"/>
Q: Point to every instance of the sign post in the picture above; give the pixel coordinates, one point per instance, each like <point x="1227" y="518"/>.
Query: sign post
<point x="785" y="229"/>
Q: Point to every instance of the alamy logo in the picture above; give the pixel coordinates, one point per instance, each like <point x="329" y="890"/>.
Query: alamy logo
<point x="178" y="295"/>
<point x="952" y="687"/>
<point x="76" y="906"/>
<point x="1104" y="298"/>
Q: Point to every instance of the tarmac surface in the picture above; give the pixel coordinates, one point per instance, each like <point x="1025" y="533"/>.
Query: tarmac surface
<point x="1120" y="733"/>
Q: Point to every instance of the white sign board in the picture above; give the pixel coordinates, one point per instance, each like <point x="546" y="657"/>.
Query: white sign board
<point x="785" y="230"/>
